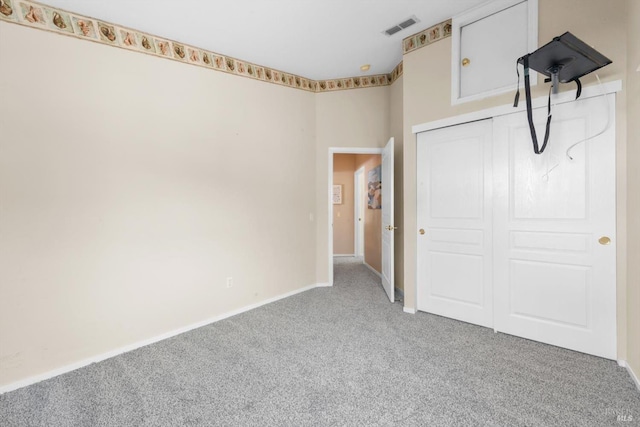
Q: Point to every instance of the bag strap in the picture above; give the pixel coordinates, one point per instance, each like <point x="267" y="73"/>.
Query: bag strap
<point x="527" y="89"/>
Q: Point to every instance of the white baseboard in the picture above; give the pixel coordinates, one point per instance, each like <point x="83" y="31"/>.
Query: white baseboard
<point x="372" y="269"/>
<point x="323" y="285"/>
<point x="409" y="310"/>
<point x="100" y="357"/>
<point x="633" y="375"/>
<point x="345" y="255"/>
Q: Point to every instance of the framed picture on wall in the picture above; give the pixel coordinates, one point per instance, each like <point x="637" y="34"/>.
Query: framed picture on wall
<point x="337" y="194"/>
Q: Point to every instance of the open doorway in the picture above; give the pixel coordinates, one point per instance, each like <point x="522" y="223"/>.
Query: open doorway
<point x="357" y="212"/>
<point x="362" y="170"/>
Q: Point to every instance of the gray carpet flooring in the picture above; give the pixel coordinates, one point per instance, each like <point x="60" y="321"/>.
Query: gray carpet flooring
<point x="341" y="356"/>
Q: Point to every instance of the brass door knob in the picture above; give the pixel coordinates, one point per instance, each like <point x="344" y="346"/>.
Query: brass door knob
<point x="421" y="231"/>
<point x="465" y="62"/>
<point x="604" y="240"/>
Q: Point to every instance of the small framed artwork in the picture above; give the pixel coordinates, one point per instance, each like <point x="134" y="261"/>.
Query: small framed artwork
<point x="337" y="194"/>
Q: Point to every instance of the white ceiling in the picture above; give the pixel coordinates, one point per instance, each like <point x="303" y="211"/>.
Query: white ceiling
<point x="314" y="39"/>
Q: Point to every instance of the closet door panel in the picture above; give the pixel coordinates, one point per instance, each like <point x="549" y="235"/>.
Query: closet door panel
<point x="554" y="229"/>
<point x="454" y="215"/>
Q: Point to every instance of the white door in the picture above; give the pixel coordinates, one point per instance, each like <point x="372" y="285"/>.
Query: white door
<point x="454" y="218"/>
<point x="554" y="229"/>
<point x="359" y="204"/>
<point x="387" y="221"/>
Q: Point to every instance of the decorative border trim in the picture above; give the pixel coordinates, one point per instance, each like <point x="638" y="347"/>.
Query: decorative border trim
<point x="36" y="15"/>
<point x="397" y="72"/>
<point x="40" y="16"/>
<point x="426" y="37"/>
<point x="353" y="83"/>
<point x="108" y="355"/>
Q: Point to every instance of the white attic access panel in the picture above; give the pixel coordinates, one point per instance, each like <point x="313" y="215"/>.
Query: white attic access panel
<point x="486" y="42"/>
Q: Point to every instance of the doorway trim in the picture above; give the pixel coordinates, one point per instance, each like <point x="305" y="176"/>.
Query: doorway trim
<point x="332" y="151"/>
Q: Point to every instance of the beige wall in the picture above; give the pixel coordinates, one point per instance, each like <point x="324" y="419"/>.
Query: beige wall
<point x="131" y="187"/>
<point x="350" y="118"/>
<point x="344" y="166"/>
<point x="427" y="97"/>
<point x="396" y="113"/>
<point x="633" y="177"/>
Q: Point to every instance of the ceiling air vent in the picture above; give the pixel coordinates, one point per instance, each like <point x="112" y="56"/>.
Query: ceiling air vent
<point x="391" y="31"/>
<point x="401" y="26"/>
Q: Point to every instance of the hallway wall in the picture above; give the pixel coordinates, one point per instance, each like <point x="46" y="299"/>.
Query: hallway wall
<point x="372" y="217"/>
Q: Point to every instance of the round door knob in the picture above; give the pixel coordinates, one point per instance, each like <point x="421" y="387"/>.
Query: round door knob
<point x="465" y="62"/>
<point x="604" y="240"/>
<point x="421" y="231"/>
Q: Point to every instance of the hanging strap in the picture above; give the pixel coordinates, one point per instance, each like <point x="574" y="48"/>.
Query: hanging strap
<point x="517" y="98"/>
<point x="527" y="89"/>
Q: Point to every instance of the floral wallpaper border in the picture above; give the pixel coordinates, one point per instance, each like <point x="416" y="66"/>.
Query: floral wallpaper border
<point x="44" y="17"/>
<point x="425" y="37"/>
<point x="396" y="73"/>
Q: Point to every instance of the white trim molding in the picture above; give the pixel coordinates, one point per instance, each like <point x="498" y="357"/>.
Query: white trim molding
<point x="324" y="285"/>
<point x="561" y="98"/>
<point x="634" y="377"/>
<point x="409" y="310"/>
<point x="344" y="255"/>
<point x="373" y="270"/>
<point x="104" y="356"/>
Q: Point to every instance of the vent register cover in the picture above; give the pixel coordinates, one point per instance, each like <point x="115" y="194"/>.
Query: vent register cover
<point x="401" y="26"/>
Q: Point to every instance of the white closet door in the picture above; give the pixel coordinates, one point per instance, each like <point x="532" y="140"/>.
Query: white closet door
<point x="554" y="268"/>
<point x="454" y="211"/>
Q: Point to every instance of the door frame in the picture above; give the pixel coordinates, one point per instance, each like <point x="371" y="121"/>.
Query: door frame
<point x="358" y="193"/>
<point x="332" y="151"/>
